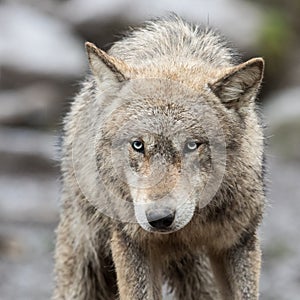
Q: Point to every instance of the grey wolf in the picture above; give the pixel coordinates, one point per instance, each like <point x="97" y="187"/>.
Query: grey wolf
<point x="162" y="171"/>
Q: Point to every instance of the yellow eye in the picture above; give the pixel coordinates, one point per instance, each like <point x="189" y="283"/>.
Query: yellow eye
<point x="138" y="146"/>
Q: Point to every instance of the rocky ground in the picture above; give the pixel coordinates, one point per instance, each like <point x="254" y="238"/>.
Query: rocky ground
<point x="38" y="79"/>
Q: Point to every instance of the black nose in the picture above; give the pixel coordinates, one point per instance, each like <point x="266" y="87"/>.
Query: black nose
<point x="160" y="218"/>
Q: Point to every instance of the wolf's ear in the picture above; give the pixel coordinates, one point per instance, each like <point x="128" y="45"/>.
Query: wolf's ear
<point x="104" y="66"/>
<point x="240" y="85"/>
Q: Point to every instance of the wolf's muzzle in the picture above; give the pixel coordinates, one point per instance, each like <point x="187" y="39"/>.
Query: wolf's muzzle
<point x="161" y="218"/>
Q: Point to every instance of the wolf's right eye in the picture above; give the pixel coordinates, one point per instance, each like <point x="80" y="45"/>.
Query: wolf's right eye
<point x="138" y="146"/>
<point x="191" y="146"/>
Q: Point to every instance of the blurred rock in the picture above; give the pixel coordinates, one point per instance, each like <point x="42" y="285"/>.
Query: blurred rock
<point x="24" y="151"/>
<point x="282" y="112"/>
<point x="280" y="233"/>
<point x="283" y="106"/>
<point x="28" y="176"/>
<point x="224" y="14"/>
<point x="34" y="42"/>
<point x="10" y="247"/>
<point x="26" y="141"/>
<point x="27" y="275"/>
<point x="293" y="72"/>
<point x="29" y="199"/>
<point x="39" y="105"/>
<point x="49" y="6"/>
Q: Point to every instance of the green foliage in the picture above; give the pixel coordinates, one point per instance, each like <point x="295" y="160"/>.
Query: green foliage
<point x="275" y="38"/>
<point x="278" y="41"/>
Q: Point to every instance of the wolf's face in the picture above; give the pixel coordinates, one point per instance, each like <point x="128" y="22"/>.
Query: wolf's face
<point x="165" y="173"/>
<point x="167" y="148"/>
<point x="166" y="142"/>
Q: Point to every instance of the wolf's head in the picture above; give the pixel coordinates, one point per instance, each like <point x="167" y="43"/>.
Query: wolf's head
<point x="163" y="143"/>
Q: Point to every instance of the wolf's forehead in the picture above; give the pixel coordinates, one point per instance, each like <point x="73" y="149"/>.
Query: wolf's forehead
<point x="160" y="93"/>
<point x="160" y="143"/>
<point x="154" y="122"/>
<point x="159" y="124"/>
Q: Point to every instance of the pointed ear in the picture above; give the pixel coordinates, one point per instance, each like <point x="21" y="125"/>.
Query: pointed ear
<point x="240" y="85"/>
<point x="104" y="66"/>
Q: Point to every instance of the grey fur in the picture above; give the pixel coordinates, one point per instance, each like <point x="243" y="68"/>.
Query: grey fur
<point x="161" y="84"/>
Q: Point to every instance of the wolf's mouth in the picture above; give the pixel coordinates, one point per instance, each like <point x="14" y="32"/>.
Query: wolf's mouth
<point x="163" y="231"/>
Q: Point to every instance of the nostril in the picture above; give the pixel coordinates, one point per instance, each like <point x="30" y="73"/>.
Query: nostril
<point x="160" y="219"/>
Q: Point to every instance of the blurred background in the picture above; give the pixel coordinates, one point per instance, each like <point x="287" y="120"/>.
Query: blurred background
<point x="42" y="60"/>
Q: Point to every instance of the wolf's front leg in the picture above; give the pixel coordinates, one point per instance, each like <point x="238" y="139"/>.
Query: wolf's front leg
<point x="190" y="277"/>
<point x="136" y="276"/>
<point x="82" y="272"/>
<point x="237" y="270"/>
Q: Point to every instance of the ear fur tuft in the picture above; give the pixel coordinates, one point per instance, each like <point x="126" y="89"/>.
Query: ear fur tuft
<point x="104" y="66"/>
<point x="241" y="83"/>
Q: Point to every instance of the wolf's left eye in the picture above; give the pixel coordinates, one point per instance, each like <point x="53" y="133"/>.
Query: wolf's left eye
<point x="138" y="146"/>
<point x="191" y="146"/>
